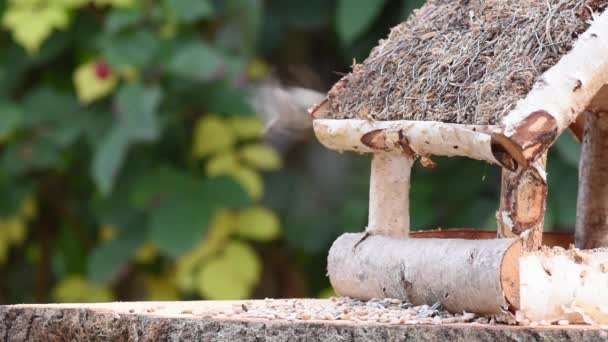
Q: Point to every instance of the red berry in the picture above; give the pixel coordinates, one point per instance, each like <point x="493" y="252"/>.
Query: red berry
<point x="102" y="70"/>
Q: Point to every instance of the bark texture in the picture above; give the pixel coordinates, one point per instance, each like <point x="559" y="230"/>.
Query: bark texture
<point x="423" y="138"/>
<point x="84" y="323"/>
<point x="389" y="191"/>
<point x="558" y="284"/>
<point x="471" y="275"/>
<point x="522" y="204"/>
<point x="592" y="204"/>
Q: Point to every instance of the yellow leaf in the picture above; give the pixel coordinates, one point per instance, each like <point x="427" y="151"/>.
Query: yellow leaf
<point x="258" y="223"/>
<point x="32" y="23"/>
<point x="185" y="269"/>
<point x="107" y="232"/>
<point x="4" y="248"/>
<point x="250" y="180"/>
<point x="261" y="156"/>
<point x="116" y="3"/>
<point x="160" y="289"/>
<point x="169" y="29"/>
<point x="76" y="289"/>
<point x="219" y="232"/>
<point x="29" y="207"/>
<point x="249" y="127"/>
<point x="187" y="266"/>
<point x="257" y="70"/>
<point x="129" y="73"/>
<point x="93" y="81"/>
<point x="246" y="264"/>
<point x="217" y="282"/>
<point x="71" y="3"/>
<point x="222" y="164"/>
<point x="146" y="253"/>
<point x="211" y="135"/>
<point x="14" y="230"/>
<point x="232" y="275"/>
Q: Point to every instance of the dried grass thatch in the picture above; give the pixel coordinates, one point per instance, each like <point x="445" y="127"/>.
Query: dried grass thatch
<point x="461" y="61"/>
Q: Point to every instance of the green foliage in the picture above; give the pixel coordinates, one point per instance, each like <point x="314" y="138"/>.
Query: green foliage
<point x="133" y="167"/>
<point x="355" y="16"/>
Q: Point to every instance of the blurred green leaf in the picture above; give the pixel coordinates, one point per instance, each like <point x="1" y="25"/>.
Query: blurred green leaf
<point x="561" y="196"/>
<point x="40" y="153"/>
<point x="132" y="48"/>
<point x="10" y="118"/>
<point x="569" y="149"/>
<point x="109" y="258"/>
<point x="46" y="106"/>
<point x="243" y="22"/>
<point x="120" y="19"/>
<point x="138" y="106"/>
<point x="355" y="16"/>
<point x="302" y="15"/>
<point x="179" y="225"/>
<point x="109" y="157"/>
<point x="189" y="10"/>
<point x="156" y="186"/>
<point x="409" y="6"/>
<point x="182" y="213"/>
<point x="70" y="256"/>
<point x="197" y="61"/>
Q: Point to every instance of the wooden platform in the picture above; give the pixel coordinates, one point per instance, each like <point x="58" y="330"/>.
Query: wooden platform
<point x="226" y="321"/>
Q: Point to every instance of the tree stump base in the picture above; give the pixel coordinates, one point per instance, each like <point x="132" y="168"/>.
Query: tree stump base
<point x="279" y="320"/>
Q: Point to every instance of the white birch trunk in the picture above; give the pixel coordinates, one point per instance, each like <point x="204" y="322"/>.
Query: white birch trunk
<point x="389" y="191"/>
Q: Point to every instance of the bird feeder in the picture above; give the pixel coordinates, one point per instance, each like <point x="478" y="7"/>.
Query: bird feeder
<point x="496" y="81"/>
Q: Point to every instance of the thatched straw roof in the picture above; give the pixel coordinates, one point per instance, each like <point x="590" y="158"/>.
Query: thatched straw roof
<point x="461" y="61"/>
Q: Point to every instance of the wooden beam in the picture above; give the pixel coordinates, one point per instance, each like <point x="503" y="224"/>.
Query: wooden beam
<point x="523" y="201"/>
<point x="422" y="138"/>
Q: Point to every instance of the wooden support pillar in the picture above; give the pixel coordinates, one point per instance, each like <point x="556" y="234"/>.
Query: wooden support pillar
<point x="592" y="204"/>
<point x="523" y="202"/>
<point x="389" y="191"/>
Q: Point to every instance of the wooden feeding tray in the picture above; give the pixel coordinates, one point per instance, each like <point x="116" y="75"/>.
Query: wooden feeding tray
<point x="403" y="103"/>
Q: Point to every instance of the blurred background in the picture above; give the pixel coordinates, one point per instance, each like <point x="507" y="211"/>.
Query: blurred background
<point x="161" y="149"/>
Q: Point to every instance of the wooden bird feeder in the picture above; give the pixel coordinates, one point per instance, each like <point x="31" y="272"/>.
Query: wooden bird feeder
<point x="496" y="81"/>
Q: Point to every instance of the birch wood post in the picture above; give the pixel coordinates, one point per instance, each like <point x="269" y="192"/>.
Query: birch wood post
<point x="592" y="203"/>
<point x="523" y="201"/>
<point x="479" y="276"/>
<point x="389" y="191"/>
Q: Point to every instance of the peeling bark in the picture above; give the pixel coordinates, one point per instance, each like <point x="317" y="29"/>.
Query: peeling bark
<point x="479" y="276"/>
<point x="423" y="138"/>
<point x="592" y="203"/>
<point x="528" y="139"/>
<point x="523" y="203"/>
<point x="558" y="284"/>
